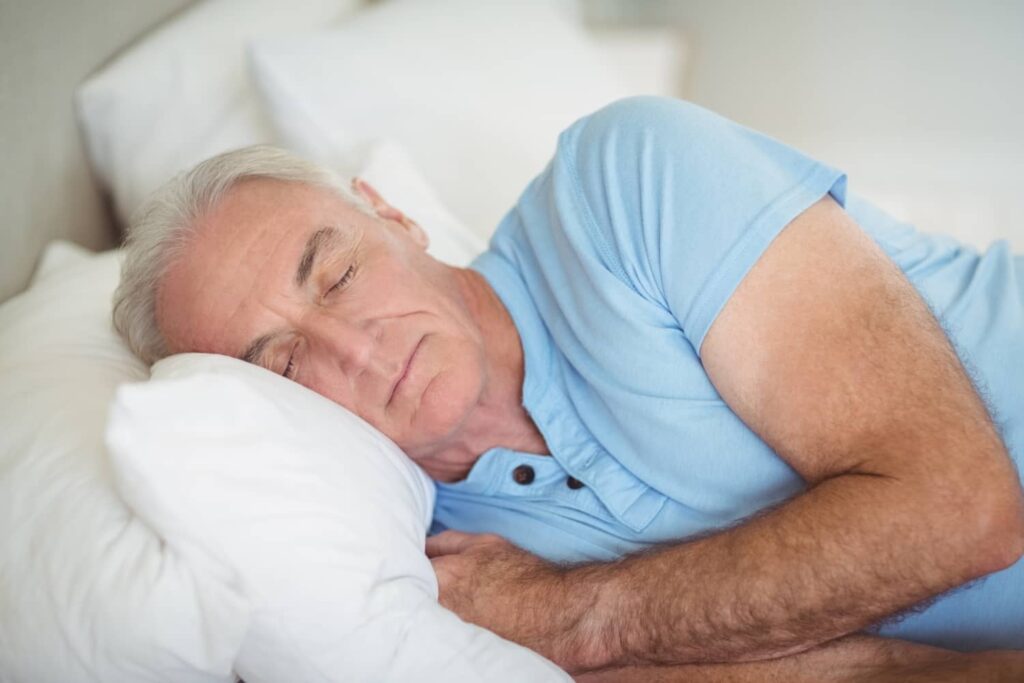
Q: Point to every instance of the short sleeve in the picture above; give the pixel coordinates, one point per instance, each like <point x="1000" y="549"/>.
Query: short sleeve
<point x="682" y="202"/>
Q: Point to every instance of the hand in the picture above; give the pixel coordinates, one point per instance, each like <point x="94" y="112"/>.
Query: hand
<point x="490" y="582"/>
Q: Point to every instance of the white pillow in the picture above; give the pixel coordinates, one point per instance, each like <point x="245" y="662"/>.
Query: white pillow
<point x="182" y="94"/>
<point x="322" y="516"/>
<point x="59" y="255"/>
<point x="87" y="591"/>
<point x="476" y="91"/>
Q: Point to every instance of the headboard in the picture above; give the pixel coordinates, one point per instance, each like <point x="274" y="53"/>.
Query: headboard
<point x="46" y="188"/>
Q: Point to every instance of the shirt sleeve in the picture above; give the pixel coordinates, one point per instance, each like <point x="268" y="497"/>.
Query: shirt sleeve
<point x="682" y="202"/>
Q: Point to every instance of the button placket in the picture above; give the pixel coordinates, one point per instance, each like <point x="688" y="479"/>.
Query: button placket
<point x="630" y="500"/>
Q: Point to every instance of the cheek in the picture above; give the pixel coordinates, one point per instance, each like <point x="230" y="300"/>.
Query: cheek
<point x="331" y="386"/>
<point x="444" y="405"/>
<point x="410" y="281"/>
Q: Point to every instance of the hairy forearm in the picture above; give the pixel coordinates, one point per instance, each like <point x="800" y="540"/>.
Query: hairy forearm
<point x="826" y="564"/>
<point x="853" y="659"/>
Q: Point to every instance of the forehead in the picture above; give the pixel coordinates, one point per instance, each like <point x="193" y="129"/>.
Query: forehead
<point x="236" y="274"/>
<point x="268" y="203"/>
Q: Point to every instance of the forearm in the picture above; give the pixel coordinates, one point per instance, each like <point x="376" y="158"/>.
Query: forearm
<point x="837" y="661"/>
<point x="852" y="659"/>
<point x="826" y="564"/>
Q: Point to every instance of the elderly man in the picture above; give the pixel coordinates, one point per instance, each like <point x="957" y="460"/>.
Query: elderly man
<point x="687" y="347"/>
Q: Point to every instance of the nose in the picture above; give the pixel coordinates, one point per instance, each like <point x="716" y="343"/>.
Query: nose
<point x="347" y="345"/>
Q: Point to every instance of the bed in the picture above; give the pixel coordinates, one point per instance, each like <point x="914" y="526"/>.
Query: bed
<point x="102" y="577"/>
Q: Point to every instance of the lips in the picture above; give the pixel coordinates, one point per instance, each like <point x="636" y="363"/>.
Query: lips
<point x="405" y="371"/>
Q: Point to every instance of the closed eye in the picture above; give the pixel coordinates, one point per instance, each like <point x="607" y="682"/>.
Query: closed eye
<point x="344" y="280"/>
<point x="289" y="368"/>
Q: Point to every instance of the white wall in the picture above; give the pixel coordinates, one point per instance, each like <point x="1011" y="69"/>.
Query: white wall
<point x="921" y="102"/>
<point x="46" y="49"/>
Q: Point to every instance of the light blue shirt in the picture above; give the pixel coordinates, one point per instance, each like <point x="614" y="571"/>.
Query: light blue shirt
<point x="613" y="265"/>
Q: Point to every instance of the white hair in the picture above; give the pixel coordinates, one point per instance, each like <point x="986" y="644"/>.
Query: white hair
<point x="163" y="224"/>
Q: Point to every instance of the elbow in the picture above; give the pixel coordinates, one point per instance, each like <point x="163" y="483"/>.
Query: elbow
<point x="998" y="532"/>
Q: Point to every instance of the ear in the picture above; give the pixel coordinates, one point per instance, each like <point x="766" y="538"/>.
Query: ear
<point x="388" y="212"/>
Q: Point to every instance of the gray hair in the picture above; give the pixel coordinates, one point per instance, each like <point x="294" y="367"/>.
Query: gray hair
<point x="162" y="225"/>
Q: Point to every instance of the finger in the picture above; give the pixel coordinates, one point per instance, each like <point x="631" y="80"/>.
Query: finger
<point x="449" y="542"/>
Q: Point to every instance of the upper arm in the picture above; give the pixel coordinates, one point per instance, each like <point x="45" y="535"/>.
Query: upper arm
<point x="806" y="329"/>
<point x="831" y="356"/>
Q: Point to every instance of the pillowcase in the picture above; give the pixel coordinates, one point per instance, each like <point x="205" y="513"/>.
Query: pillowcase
<point x="477" y="92"/>
<point x="58" y="256"/>
<point x="320" y="514"/>
<point x="88" y="591"/>
<point x="182" y="94"/>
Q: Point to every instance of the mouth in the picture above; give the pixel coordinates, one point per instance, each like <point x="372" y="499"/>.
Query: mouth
<point x="405" y="371"/>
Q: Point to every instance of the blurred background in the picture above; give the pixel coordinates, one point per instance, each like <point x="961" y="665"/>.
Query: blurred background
<point x="919" y="101"/>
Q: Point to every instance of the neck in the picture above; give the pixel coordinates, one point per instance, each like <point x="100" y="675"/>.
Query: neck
<point x="499" y="418"/>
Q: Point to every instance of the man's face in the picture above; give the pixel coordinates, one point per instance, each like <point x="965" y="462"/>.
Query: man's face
<point x="295" y="279"/>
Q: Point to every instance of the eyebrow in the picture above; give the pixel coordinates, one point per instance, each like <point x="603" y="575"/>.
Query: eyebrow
<point x="323" y="237"/>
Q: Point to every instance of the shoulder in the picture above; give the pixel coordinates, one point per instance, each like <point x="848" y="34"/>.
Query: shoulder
<point x="619" y="170"/>
<point x="640" y="152"/>
<point x="646" y="112"/>
<point x="645" y="120"/>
